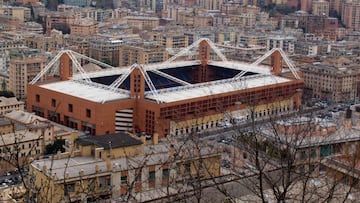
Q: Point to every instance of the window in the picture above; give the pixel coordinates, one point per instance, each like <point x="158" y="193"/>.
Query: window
<point x="70" y="188"/>
<point x="201" y="164"/>
<point x="138" y="176"/>
<point x="88" y="113"/>
<point x="312" y="168"/>
<point x="313" y="153"/>
<point x="70" y="107"/>
<point x="104" y="181"/>
<point x="302" y="169"/>
<point x="303" y="155"/>
<point x="37" y="98"/>
<point x="53" y="102"/>
<point x="187" y="167"/>
<point x="165" y="173"/>
<point x="152" y="176"/>
<point x="123" y="179"/>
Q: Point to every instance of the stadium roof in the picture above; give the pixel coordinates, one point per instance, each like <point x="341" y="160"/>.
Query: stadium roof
<point x="215" y="87"/>
<point x="101" y="94"/>
<point x="85" y="91"/>
<point x="165" y="82"/>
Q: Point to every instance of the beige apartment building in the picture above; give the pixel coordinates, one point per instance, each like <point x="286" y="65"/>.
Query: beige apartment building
<point x="120" y="167"/>
<point x="29" y="134"/>
<point x="142" y="22"/>
<point x="51" y="42"/>
<point x="171" y="39"/>
<point x="84" y="27"/>
<point x="27" y="1"/>
<point x="350" y="14"/>
<point x="20" y="13"/>
<point x="330" y="82"/>
<point x="105" y="50"/>
<point x="320" y="8"/>
<point x="58" y="20"/>
<point x="77" y="43"/>
<point x="144" y="53"/>
<point x="10" y="104"/>
<point x="22" y="70"/>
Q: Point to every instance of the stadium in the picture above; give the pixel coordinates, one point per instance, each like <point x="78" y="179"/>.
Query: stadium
<point x="174" y="97"/>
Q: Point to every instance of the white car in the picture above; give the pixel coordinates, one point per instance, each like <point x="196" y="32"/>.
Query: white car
<point x="3" y="185"/>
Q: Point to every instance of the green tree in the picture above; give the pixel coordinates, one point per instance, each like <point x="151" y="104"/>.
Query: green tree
<point x="55" y="147"/>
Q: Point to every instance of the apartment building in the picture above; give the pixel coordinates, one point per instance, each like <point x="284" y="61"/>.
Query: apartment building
<point x="24" y="66"/>
<point x="344" y="167"/>
<point x="142" y="22"/>
<point x="25" y="135"/>
<point x="84" y="27"/>
<point x="142" y="53"/>
<point x="211" y="4"/>
<point x="20" y="13"/>
<point x="320" y="8"/>
<point x="57" y="20"/>
<point x="4" y="67"/>
<point x="31" y="27"/>
<point x="27" y="1"/>
<point x="320" y="24"/>
<point x="350" y="13"/>
<point x="287" y="43"/>
<point x="120" y="167"/>
<point x="10" y="104"/>
<point x="51" y="42"/>
<point x="171" y="39"/>
<point x="251" y="39"/>
<point x="77" y="43"/>
<point x="308" y="141"/>
<point x="105" y="50"/>
<point x="330" y="82"/>
<point x="80" y="3"/>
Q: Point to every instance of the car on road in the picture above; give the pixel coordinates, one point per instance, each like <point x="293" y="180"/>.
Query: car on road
<point x="3" y="185"/>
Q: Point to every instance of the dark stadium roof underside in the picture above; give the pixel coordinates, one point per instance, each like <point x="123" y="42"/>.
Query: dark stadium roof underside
<point x="188" y="74"/>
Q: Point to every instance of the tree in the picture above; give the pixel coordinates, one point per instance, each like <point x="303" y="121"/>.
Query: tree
<point x="6" y="94"/>
<point x="285" y="160"/>
<point x="57" y="146"/>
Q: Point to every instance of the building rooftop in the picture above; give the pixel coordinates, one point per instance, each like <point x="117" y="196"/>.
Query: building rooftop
<point x="324" y="137"/>
<point x="9" y="101"/>
<point x="215" y="87"/>
<point x="109" y="141"/>
<point x="24" y="117"/>
<point x="84" y="91"/>
<point x="4" y="122"/>
<point x="152" y="155"/>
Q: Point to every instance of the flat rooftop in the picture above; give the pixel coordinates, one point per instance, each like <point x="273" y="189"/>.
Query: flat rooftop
<point x="215" y="87"/>
<point x="85" y="91"/>
<point x="109" y="141"/>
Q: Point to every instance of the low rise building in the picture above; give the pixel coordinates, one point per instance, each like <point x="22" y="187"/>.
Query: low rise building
<point x="142" y="53"/>
<point x="84" y="27"/>
<point x="10" y="104"/>
<point x="105" y="50"/>
<point x="330" y="82"/>
<point x="302" y="142"/>
<point x="23" y="137"/>
<point x="24" y="66"/>
<point x="120" y="167"/>
<point x="20" y="13"/>
<point x="142" y="22"/>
